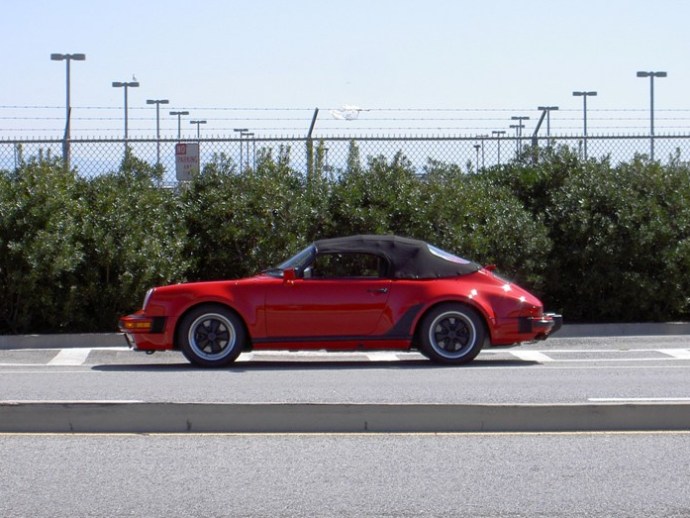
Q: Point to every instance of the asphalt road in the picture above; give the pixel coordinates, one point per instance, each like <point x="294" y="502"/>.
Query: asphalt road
<point x="566" y="370"/>
<point x="458" y="475"/>
<point x="396" y="475"/>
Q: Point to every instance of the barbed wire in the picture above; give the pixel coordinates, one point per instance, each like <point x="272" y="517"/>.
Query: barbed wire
<point x="18" y="119"/>
<point x="311" y="109"/>
<point x="334" y="121"/>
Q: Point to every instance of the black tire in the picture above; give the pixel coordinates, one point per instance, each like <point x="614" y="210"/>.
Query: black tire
<point x="452" y="333"/>
<point x="211" y="336"/>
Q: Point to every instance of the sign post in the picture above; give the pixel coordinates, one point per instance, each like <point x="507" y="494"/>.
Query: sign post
<point x="186" y="161"/>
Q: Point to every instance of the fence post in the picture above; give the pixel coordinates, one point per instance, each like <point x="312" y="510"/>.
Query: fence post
<point x="310" y="149"/>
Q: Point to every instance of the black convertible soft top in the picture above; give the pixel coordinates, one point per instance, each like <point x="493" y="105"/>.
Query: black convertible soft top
<point x="409" y="258"/>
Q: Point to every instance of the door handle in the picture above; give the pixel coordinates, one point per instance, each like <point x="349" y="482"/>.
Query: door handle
<point x="378" y="290"/>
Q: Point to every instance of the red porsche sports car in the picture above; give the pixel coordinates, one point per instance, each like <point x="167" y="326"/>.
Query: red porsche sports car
<point x="344" y="294"/>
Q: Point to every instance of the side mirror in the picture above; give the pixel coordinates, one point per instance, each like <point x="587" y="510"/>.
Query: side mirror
<point x="289" y="274"/>
<point x="490" y="267"/>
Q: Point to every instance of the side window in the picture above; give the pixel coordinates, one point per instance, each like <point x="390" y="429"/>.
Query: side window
<point x="329" y="266"/>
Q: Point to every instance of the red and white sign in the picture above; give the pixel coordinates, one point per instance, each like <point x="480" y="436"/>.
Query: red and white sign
<point x="186" y="161"/>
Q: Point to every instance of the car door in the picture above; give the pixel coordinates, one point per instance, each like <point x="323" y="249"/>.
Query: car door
<point x="339" y="295"/>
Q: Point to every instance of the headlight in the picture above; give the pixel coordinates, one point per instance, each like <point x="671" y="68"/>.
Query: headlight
<point x="147" y="297"/>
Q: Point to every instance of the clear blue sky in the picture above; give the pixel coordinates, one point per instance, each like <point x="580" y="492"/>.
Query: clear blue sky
<point x="500" y="57"/>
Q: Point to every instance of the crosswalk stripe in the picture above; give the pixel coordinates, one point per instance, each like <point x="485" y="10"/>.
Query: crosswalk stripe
<point x="681" y="354"/>
<point x="532" y="356"/>
<point x="383" y="356"/>
<point x="70" y="357"/>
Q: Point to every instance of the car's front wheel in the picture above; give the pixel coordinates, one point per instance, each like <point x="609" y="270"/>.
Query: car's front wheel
<point x="452" y="333"/>
<point x="211" y="336"/>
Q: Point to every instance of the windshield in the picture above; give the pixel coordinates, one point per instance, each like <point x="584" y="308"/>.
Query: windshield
<point x="299" y="262"/>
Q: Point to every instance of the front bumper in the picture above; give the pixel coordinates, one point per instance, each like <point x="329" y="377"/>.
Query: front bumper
<point x="143" y="332"/>
<point x="131" y="342"/>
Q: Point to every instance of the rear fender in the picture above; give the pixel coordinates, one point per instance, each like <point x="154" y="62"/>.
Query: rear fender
<point x="485" y="313"/>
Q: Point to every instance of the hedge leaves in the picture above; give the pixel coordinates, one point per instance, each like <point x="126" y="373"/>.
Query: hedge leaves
<point x="595" y="241"/>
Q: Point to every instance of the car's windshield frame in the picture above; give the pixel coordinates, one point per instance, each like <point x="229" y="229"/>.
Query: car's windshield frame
<point x="298" y="262"/>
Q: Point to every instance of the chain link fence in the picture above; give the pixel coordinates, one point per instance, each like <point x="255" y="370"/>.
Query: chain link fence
<point x="330" y="155"/>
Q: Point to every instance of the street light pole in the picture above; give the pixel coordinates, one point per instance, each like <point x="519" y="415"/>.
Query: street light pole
<point x="519" y="127"/>
<point x="498" y="138"/>
<point x="198" y="131"/>
<point x="179" y="123"/>
<point x="584" y="95"/>
<point x="126" y="85"/>
<point x="651" y="76"/>
<point x="481" y="141"/>
<point x="66" y="142"/>
<point x="250" y="136"/>
<point x="241" y="131"/>
<point x="158" y="103"/>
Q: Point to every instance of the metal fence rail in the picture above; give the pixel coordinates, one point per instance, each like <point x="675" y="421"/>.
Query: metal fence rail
<point x="94" y="157"/>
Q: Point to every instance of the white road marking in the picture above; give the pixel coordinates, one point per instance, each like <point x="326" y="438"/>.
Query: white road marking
<point x="614" y="360"/>
<point x="375" y="356"/>
<point x="78" y="356"/>
<point x="532" y="356"/>
<point x="383" y="356"/>
<point x="637" y="399"/>
<point x="69" y="401"/>
<point x="22" y="365"/>
<point x="70" y="357"/>
<point x="44" y="349"/>
<point x="599" y="351"/>
<point x="680" y="354"/>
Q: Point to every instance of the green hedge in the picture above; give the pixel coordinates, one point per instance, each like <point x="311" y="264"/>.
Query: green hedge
<point x="595" y="241"/>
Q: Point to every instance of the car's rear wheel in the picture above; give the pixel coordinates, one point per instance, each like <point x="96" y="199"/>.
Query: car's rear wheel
<point x="211" y="336"/>
<point x="452" y="333"/>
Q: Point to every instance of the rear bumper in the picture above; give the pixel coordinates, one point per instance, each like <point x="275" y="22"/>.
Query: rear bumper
<point x="542" y="327"/>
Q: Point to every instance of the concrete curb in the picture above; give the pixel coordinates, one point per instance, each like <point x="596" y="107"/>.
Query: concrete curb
<point x="66" y="341"/>
<point x="99" y="340"/>
<point x="608" y="330"/>
<point x="140" y="417"/>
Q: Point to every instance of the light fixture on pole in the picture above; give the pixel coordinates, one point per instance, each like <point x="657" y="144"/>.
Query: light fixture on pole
<point x="584" y="94"/>
<point x="158" y="103"/>
<point x="547" y="110"/>
<point x="67" y="58"/>
<point x="651" y="76"/>
<point x="179" y="123"/>
<point x="198" y="125"/>
<point x="520" y="125"/>
<point x="126" y="85"/>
